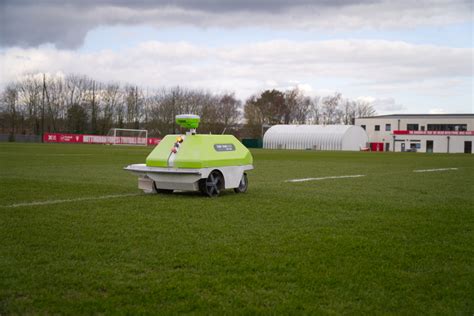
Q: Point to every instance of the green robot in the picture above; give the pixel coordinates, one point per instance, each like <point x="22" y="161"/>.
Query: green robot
<point x="192" y="162"/>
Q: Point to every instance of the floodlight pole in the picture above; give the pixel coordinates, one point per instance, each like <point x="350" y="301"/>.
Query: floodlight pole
<point x="42" y="109"/>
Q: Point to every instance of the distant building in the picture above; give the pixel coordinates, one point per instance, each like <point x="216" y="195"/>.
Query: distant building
<point x="439" y="133"/>
<point x="315" y="137"/>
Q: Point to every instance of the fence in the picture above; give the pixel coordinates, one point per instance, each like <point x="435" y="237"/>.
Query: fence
<point x="20" y="138"/>
<point x="98" y="139"/>
<point x="252" y="142"/>
<point x="79" y="139"/>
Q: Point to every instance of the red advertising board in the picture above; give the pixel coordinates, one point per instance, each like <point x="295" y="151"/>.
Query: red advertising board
<point x="62" y="138"/>
<point x="445" y="133"/>
<point x="98" y="139"/>
<point x="153" y="141"/>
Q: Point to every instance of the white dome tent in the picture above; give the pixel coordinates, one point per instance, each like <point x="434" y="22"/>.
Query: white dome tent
<point x="315" y="137"/>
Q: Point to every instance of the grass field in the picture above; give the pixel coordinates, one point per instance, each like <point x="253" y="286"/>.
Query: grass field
<point x="392" y="242"/>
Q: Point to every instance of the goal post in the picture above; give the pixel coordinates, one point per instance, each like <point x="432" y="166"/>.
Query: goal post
<point x="127" y="136"/>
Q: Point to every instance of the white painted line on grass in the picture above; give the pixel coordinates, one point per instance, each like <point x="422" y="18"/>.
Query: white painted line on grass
<point x="48" y="202"/>
<point x="62" y="154"/>
<point x="326" y="178"/>
<point x="34" y="155"/>
<point x="435" y="170"/>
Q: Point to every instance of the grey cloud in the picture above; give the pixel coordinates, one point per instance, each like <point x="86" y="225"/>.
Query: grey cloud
<point x="156" y="64"/>
<point x="204" y="5"/>
<point x="388" y="105"/>
<point x="283" y="61"/>
<point x="66" y="23"/>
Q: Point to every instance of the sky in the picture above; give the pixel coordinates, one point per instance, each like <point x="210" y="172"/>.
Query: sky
<point x="401" y="56"/>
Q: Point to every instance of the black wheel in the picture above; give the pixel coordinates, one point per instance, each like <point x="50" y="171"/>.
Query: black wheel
<point x="243" y="185"/>
<point x="212" y="185"/>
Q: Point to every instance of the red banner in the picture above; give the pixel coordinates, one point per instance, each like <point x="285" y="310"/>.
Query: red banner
<point x="153" y="141"/>
<point x="99" y="139"/>
<point x="446" y="133"/>
<point x="62" y="138"/>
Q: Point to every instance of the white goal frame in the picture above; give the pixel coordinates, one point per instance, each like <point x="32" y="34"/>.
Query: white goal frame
<point x="113" y="139"/>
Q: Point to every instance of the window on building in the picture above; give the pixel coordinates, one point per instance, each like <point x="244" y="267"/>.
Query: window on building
<point x="363" y="126"/>
<point x="377" y="127"/>
<point x="447" y="127"/>
<point x="422" y="128"/>
<point x="412" y="127"/>
<point x="388" y="127"/>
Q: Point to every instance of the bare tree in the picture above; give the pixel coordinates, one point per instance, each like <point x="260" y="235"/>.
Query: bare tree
<point x="348" y="111"/>
<point x="133" y="105"/>
<point x="162" y="112"/>
<point x="76" y="89"/>
<point x="314" y="115"/>
<point x="363" y="109"/>
<point x="93" y="104"/>
<point x="254" y="119"/>
<point x="297" y="105"/>
<point x="229" y="110"/>
<point x="331" y="112"/>
<point x="110" y="100"/>
<point x="30" y="95"/>
<point x="10" y="101"/>
<point x="77" y="119"/>
<point x="55" y="110"/>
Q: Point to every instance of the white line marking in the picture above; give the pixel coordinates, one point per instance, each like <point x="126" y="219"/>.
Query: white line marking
<point x="14" y="153"/>
<point x="434" y="170"/>
<point x="325" y="178"/>
<point x="103" y="197"/>
<point x="62" y="155"/>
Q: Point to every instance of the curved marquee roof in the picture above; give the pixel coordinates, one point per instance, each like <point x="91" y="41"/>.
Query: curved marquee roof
<point x="317" y="137"/>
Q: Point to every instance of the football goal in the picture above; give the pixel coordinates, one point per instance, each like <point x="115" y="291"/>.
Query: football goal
<point x="127" y="136"/>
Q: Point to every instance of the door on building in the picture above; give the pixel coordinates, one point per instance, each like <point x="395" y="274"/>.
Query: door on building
<point x="376" y="146"/>
<point x="467" y="147"/>
<point x="429" y="146"/>
<point x="387" y="146"/>
<point x="403" y="146"/>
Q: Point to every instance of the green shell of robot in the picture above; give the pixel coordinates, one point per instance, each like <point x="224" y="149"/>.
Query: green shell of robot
<point x="209" y="163"/>
<point x="200" y="151"/>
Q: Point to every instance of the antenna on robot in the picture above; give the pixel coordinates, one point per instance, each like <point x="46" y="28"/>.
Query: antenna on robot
<point x="190" y="121"/>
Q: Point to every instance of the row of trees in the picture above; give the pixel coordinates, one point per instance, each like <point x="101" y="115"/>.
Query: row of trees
<point x="293" y="107"/>
<point x="79" y="104"/>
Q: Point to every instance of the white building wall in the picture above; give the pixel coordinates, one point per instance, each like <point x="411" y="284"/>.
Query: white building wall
<point x="440" y="142"/>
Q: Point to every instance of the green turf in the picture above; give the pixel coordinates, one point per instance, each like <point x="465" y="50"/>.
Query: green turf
<point x="392" y="242"/>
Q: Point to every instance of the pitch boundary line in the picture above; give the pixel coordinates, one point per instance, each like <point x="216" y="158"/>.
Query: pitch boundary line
<point x="326" y="178"/>
<point x="49" y="202"/>
<point x="435" y="170"/>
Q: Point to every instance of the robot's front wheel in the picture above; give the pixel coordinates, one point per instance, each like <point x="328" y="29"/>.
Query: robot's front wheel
<point x="243" y="185"/>
<point x="212" y="185"/>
